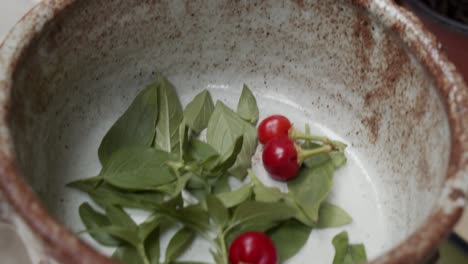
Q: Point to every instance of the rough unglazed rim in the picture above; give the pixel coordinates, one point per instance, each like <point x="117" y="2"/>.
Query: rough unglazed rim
<point x="67" y="248"/>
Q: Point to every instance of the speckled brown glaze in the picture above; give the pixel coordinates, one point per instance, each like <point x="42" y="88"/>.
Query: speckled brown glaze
<point x="356" y="62"/>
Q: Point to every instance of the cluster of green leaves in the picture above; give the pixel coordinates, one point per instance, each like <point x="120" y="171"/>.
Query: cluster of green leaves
<point x="153" y="155"/>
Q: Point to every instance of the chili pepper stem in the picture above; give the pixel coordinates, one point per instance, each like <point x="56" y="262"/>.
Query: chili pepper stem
<point x="304" y="154"/>
<point x="295" y="134"/>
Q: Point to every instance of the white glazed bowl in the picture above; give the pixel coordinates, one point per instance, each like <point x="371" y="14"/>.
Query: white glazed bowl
<point x="364" y="72"/>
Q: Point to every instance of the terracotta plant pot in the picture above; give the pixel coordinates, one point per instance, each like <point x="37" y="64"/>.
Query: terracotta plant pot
<point x="364" y="71"/>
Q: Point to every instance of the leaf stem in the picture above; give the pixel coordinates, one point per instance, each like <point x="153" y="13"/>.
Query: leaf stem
<point x="223" y="246"/>
<point x="142" y="252"/>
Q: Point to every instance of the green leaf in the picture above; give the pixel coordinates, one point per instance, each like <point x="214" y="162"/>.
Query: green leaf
<point x="198" y="111"/>
<point x="221" y="185"/>
<point x="149" y="225"/>
<point x="136" y="127"/>
<point x="126" y="234"/>
<point x="179" y="242"/>
<point x="188" y="262"/>
<point x="106" y="195"/>
<point x="332" y="216"/>
<point x="247" y="107"/>
<point x="199" y="150"/>
<point x="317" y="160"/>
<point x="228" y="158"/>
<point x="252" y="212"/>
<point x="224" y="128"/>
<point x="310" y="188"/>
<point x="357" y="253"/>
<point x="346" y="253"/>
<point x="181" y="183"/>
<point x="341" y="244"/>
<point x="236" y="197"/>
<point x="152" y="246"/>
<point x="169" y="118"/>
<point x="259" y="226"/>
<point x="127" y="254"/>
<point x="194" y="217"/>
<point x="94" y="220"/>
<point x="289" y="238"/>
<point x="183" y="139"/>
<point x="266" y="194"/>
<point x="138" y="169"/>
<point x="338" y="158"/>
<point x="118" y="217"/>
<point x="217" y="211"/>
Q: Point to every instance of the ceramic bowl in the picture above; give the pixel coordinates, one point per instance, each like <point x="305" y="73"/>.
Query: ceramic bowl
<point x="362" y="71"/>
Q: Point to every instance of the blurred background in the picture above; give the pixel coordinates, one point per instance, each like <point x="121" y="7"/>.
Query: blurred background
<point x="448" y="19"/>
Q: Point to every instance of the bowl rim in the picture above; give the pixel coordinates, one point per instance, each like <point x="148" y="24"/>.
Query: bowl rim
<point x="64" y="246"/>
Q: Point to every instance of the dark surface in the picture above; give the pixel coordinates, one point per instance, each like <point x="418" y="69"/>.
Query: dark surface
<point x="450" y="17"/>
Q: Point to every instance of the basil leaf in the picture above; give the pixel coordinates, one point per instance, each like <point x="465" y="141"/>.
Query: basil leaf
<point x="228" y="159"/>
<point x="346" y="253"/>
<point x="106" y="195"/>
<point x="135" y="127"/>
<point x="332" y="216"/>
<point x="236" y="197"/>
<point x="118" y="217"/>
<point x="94" y="220"/>
<point x="200" y="151"/>
<point x="247" y="107"/>
<point x="194" y="217"/>
<point x="259" y="226"/>
<point x="169" y="117"/>
<point x="338" y="158"/>
<point x="181" y="183"/>
<point x="198" y="111"/>
<point x="152" y="246"/>
<point x="251" y="212"/>
<point x="149" y="225"/>
<point x="289" y="238"/>
<point x="127" y="254"/>
<point x="266" y="194"/>
<point x="224" y="128"/>
<point x="217" y="211"/>
<point x="138" y="169"/>
<point x="183" y="139"/>
<point x="341" y="244"/>
<point x="128" y="235"/>
<point x="358" y="253"/>
<point x="200" y="194"/>
<point x="188" y="262"/>
<point x="221" y="185"/>
<point x="179" y="242"/>
<point x="310" y="188"/>
<point x="317" y="160"/>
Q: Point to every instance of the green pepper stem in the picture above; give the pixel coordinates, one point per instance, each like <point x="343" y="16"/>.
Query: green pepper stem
<point x="304" y="154"/>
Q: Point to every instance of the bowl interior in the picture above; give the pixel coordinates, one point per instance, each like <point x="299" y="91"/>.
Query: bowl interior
<point x="326" y="64"/>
